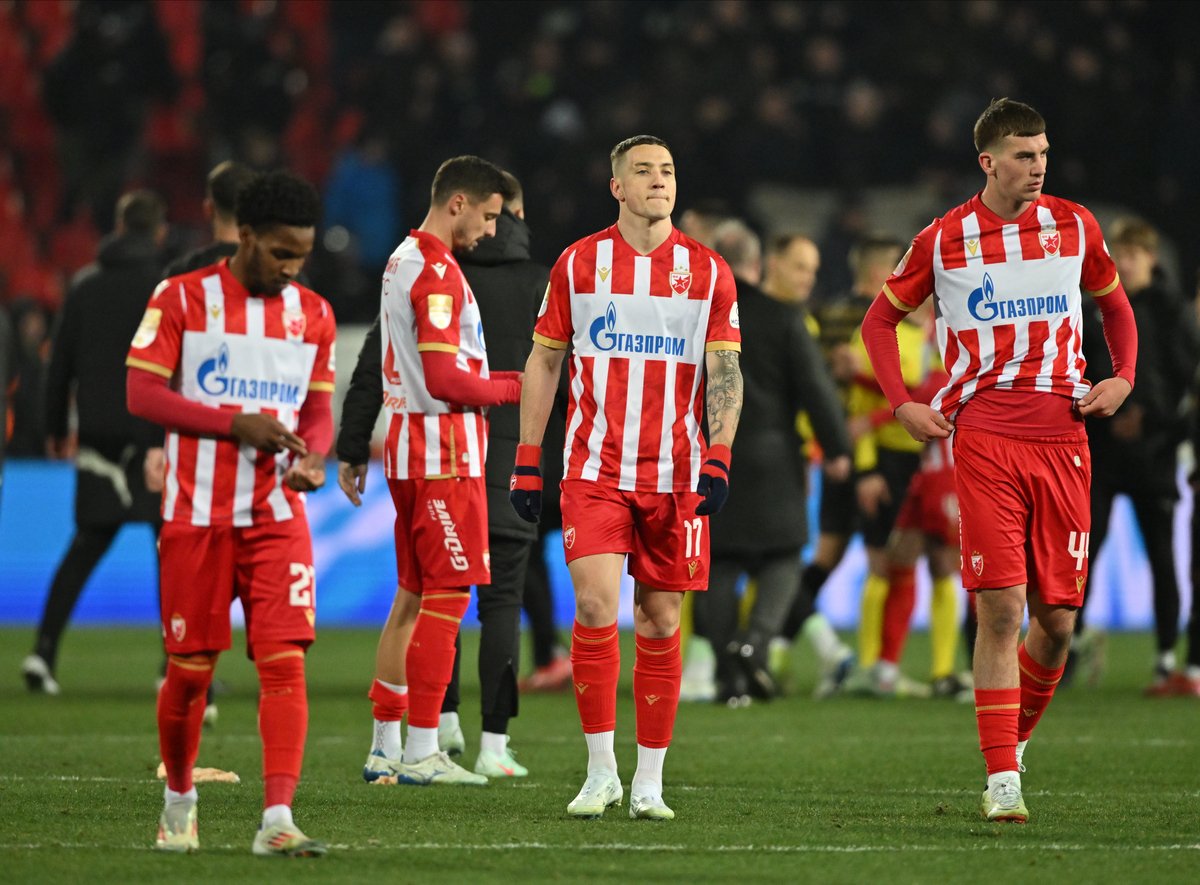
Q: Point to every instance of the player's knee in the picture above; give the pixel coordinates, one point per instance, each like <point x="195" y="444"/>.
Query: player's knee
<point x="593" y="610"/>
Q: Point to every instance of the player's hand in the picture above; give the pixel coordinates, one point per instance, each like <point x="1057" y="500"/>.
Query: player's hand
<point x="714" y="481"/>
<point x="265" y="433"/>
<point x="1105" y="398"/>
<point x="922" y="422"/>
<point x="306" y="474"/>
<point x="154" y="470"/>
<point x="352" y="478"/>
<point x="872" y="491"/>
<point x="838" y="469"/>
<point x="525" y="487"/>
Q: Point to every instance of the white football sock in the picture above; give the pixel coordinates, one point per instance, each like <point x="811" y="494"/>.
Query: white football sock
<point x="1013" y="777"/>
<point x="600" y="751"/>
<point x="448" y="720"/>
<point x="1021" y="751"/>
<point x="497" y="743"/>
<point x="887" y="671"/>
<point x="824" y="638"/>
<point x="277" y="816"/>
<point x="422" y="743"/>
<point x="173" y="798"/>
<point x="649" y="768"/>
<point x="1166" y="661"/>
<point x="387" y="739"/>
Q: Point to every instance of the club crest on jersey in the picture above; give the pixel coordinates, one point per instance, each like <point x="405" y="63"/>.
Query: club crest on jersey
<point x="681" y="281"/>
<point x="569" y="537"/>
<point x="1050" y="240"/>
<point x="178" y="627"/>
<point x="294" y="323"/>
<point x="977" y="563"/>
<point x="605" y="337"/>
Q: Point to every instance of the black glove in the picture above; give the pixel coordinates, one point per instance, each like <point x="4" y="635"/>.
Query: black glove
<point x="714" y="481"/>
<point x="525" y="487"/>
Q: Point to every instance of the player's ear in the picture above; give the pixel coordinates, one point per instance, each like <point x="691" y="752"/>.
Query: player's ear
<point x="615" y="187"/>
<point x="987" y="164"/>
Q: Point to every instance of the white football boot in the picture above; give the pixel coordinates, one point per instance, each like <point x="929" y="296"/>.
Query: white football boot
<point x="437" y="769"/>
<point x="38" y="676"/>
<point x="286" y="841"/>
<point x="178" y="828"/>
<point x="601" y="790"/>
<point x="645" y="803"/>
<point x="493" y="764"/>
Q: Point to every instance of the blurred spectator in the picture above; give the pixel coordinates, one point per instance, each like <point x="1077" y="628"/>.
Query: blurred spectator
<point x="220" y="205"/>
<point x="97" y="91"/>
<point x="792" y="264"/>
<point x="31" y="345"/>
<point x="362" y="199"/>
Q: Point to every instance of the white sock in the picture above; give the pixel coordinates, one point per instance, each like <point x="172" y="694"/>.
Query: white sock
<point x="448" y="721"/>
<point x="497" y="743"/>
<point x="422" y="743"/>
<point x="1021" y="750"/>
<point x="1166" y="660"/>
<point x="887" y="671"/>
<point x="277" y="816"/>
<point x="173" y="798"/>
<point x="387" y="739"/>
<point x="600" y="751"/>
<point x="824" y="638"/>
<point x="1192" y="671"/>
<point x="649" y="768"/>
<point x="398" y="689"/>
<point x="1013" y="777"/>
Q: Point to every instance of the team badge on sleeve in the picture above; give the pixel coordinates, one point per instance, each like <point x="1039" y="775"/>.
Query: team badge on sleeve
<point x="441" y="310"/>
<point x="1050" y="240"/>
<point x="545" y="302"/>
<point x="148" y="330"/>
<point x="734" y="320"/>
<point x="681" y="281"/>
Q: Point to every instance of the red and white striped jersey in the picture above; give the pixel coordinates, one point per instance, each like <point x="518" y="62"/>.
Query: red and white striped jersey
<point x="225" y="348"/>
<point x="428" y="305"/>
<point x="640" y="326"/>
<point x="1007" y="296"/>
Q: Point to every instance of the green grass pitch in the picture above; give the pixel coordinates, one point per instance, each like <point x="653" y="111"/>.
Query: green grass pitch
<point x="847" y="790"/>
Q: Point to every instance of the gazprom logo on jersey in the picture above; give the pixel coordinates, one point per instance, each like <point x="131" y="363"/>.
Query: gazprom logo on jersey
<point x="604" y="335"/>
<point x="985" y="307"/>
<point x="214" y="379"/>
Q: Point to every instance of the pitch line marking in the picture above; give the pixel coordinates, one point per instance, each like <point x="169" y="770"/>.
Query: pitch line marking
<point x="625" y="846"/>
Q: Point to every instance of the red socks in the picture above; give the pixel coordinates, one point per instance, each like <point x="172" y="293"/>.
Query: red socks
<point x="282" y="717"/>
<point x="1037" y="687"/>
<point x="897" y="613"/>
<point x="996" y="712"/>
<point x="595" y="668"/>
<point x="181" y="715"/>
<point x="656" y="674"/>
<point x="430" y="658"/>
<point x="389" y="706"/>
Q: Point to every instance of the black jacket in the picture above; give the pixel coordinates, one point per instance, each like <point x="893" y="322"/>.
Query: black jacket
<point x="100" y="315"/>
<point x="509" y="288"/>
<point x="198" y="258"/>
<point x="1168" y="354"/>
<point x="783" y="374"/>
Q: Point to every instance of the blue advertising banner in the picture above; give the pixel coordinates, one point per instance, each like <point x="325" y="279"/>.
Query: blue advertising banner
<point x="356" y="561"/>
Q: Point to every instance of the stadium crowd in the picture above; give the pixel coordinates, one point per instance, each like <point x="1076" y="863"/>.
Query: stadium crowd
<point x="366" y="98"/>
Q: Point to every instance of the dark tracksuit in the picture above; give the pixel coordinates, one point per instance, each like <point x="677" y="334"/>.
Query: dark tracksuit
<point x="764" y="524"/>
<point x="509" y="288"/>
<point x="91" y="339"/>
<point x="1144" y="467"/>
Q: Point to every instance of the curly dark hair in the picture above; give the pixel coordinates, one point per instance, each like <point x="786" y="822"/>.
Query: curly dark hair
<point x="276" y="198"/>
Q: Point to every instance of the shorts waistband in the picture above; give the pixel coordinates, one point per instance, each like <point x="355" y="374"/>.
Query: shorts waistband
<point x="1074" y="438"/>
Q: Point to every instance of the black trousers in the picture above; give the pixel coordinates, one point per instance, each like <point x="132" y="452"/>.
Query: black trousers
<point x="716" y="609"/>
<point x="539" y="606"/>
<point x="499" y="606"/>
<point x="1153" y="495"/>
<point x="87" y="549"/>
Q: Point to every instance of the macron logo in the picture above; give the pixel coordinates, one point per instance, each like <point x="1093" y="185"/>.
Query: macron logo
<point x="441" y="270"/>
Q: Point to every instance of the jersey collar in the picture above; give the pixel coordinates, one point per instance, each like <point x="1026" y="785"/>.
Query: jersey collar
<point x="981" y="209"/>
<point x="432" y="242"/>
<point x="663" y="249"/>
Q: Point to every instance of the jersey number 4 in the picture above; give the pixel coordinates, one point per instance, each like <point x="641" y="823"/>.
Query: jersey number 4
<point x="693" y="527"/>
<point x="300" y="593"/>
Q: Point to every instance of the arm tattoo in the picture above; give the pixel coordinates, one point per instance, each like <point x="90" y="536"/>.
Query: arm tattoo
<point x="724" y="395"/>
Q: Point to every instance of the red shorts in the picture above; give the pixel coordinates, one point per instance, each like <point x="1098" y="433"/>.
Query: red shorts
<point x="666" y="541"/>
<point x="268" y="566"/>
<point x="1026" y="512"/>
<point x="441" y="533"/>
<point x="931" y="506"/>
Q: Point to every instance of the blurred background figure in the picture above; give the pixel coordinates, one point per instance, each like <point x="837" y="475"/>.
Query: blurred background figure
<point x="1133" y="452"/>
<point x="220" y="207"/>
<point x="113" y="451"/>
<point x="761" y="529"/>
<point x="792" y="264"/>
